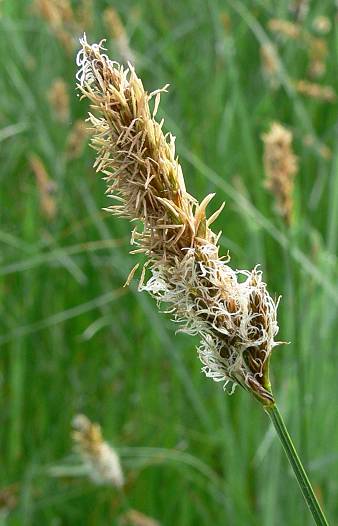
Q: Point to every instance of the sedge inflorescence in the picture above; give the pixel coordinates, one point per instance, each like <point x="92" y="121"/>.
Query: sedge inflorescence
<point x="99" y="457"/>
<point x="281" y="167"/>
<point x="231" y="310"/>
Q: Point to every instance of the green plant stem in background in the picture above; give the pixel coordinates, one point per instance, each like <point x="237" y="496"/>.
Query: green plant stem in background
<point x="297" y="466"/>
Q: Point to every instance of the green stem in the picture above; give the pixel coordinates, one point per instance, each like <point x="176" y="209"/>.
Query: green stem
<point x="297" y="466"/>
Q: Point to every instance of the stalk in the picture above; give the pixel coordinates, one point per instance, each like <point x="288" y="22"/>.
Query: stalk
<point x="296" y="464"/>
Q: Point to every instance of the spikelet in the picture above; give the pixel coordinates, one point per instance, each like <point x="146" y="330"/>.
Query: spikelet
<point x="59" y="16"/>
<point x="285" y="28"/>
<point x="118" y="33"/>
<point x="323" y="150"/>
<point x="58" y="98"/>
<point x="76" y="139"/>
<point x="99" y="457"/>
<point x="270" y="65"/>
<point x="318" y="52"/>
<point x="46" y="187"/>
<point x="322" y="24"/>
<point x="230" y="310"/>
<point x="280" y="165"/>
<point x="316" y="91"/>
<point x="85" y="14"/>
<point x="299" y="9"/>
<point x="225" y="21"/>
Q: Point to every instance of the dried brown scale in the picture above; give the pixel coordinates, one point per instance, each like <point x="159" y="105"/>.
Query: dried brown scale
<point x="235" y="318"/>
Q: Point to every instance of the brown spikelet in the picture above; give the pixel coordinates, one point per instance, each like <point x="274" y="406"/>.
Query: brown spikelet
<point x="270" y="66"/>
<point x="46" y="187"/>
<point x="280" y="165"/>
<point x="85" y="14"/>
<point x="60" y="17"/>
<point x="58" y="98"/>
<point x="316" y="91"/>
<point x="231" y="310"/>
<point x="285" y="28"/>
<point x="118" y="33"/>
<point x="318" y="52"/>
<point x="225" y="21"/>
<point x="323" y="150"/>
<point x="76" y="139"/>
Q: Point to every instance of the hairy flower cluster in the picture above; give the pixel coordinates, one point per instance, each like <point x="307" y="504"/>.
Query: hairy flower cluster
<point x="230" y="310"/>
<point x="100" y="458"/>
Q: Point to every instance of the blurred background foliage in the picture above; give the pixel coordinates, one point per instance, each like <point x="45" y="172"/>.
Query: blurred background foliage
<point x="73" y="340"/>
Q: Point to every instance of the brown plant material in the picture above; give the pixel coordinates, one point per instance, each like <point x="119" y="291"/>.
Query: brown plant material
<point x="285" y="28"/>
<point x="58" y="98"/>
<point x="270" y="65"/>
<point x="231" y="310"/>
<point x="60" y="17"/>
<point x="280" y="165"/>
<point x="85" y="14"/>
<point x="99" y="457"/>
<point x="118" y="33"/>
<point x="299" y="9"/>
<point x="318" y="54"/>
<point x="316" y="91"/>
<point x="136" y="518"/>
<point x="46" y="187"/>
<point x="8" y="500"/>
<point x="323" y="150"/>
<point x="322" y="24"/>
<point x="225" y="21"/>
<point x="76" y="139"/>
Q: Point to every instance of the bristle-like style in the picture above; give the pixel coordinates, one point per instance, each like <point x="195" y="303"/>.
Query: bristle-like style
<point x="100" y="458"/>
<point x="280" y="165"/>
<point x="231" y="310"/>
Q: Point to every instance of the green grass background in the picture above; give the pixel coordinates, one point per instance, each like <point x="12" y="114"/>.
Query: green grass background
<point x="72" y="341"/>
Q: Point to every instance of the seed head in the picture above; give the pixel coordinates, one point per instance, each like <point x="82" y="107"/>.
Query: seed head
<point x="285" y="28"/>
<point x="270" y="65"/>
<point x="58" y="98"/>
<point x="322" y="24"/>
<point x="316" y="91"/>
<point x="46" y="186"/>
<point x="230" y="310"/>
<point x="280" y="165"/>
<point x="118" y="33"/>
<point x="102" y="461"/>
